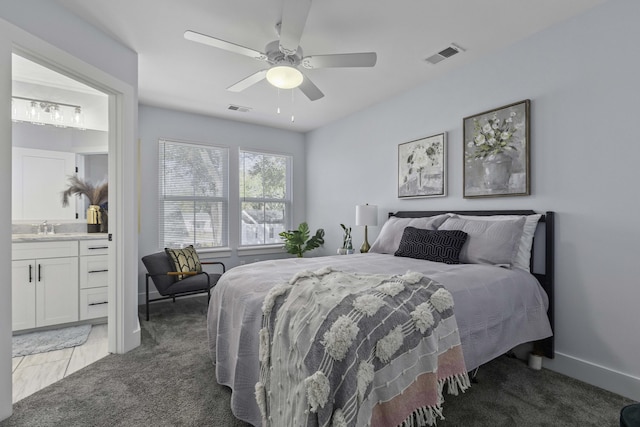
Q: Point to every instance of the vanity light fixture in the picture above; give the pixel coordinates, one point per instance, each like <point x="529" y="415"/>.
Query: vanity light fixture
<point x="43" y="112"/>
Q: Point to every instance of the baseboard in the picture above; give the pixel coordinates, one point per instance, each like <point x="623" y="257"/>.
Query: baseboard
<point x="617" y="382"/>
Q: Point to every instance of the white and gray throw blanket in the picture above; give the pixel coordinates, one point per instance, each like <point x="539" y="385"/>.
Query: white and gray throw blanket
<point x="347" y="349"/>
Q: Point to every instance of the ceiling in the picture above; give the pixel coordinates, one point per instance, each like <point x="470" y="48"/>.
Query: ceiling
<point x="183" y="75"/>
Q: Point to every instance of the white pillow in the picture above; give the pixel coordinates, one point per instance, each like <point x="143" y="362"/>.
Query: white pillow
<point x="523" y="257"/>
<point x="488" y="242"/>
<point x="390" y="236"/>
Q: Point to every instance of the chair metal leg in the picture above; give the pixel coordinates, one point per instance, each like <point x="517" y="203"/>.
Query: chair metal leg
<point x="147" y="297"/>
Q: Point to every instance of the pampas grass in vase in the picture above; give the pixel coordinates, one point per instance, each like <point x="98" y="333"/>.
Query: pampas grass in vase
<point x="97" y="195"/>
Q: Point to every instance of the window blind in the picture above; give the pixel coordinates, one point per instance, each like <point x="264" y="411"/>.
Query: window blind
<point x="193" y="205"/>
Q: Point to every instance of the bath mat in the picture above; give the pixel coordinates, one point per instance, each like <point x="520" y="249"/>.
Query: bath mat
<point x="55" y="339"/>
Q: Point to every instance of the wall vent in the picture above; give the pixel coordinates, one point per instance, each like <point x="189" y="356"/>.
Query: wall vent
<point x="444" y="54"/>
<point x="238" y="108"/>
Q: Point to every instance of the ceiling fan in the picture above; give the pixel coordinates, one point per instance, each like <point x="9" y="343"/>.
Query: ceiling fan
<point x="284" y="56"/>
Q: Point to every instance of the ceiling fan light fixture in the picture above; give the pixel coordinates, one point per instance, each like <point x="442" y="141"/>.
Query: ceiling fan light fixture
<point x="284" y="77"/>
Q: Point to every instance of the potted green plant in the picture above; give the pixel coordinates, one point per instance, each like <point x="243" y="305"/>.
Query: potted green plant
<point x="297" y="242"/>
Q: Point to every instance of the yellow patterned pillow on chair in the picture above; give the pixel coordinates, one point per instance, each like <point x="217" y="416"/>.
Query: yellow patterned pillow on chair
<point x="185" y="260"/>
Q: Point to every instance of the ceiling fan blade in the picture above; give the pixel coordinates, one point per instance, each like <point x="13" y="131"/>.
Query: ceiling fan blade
<point x="364" y="59"/>
<point x="294" y="17"/>
<point x="310" y="90"/>
<point x="225" y="45"/>
<point x="248" y="81"/>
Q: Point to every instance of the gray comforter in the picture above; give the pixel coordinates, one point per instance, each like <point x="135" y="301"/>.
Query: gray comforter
<point x="496" y="310"/>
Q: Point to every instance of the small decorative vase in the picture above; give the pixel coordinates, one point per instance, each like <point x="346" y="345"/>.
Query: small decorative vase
<point x="497" y="171"/>
<point x="93" y="219"/>
<point x="104" y="221"/>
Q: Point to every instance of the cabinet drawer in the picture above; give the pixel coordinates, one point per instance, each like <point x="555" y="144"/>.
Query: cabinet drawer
<point x="94" y="247"/>
<point x="39" y="250"/>
<point x="93" y="303"/>
<point x="94" y="271"/>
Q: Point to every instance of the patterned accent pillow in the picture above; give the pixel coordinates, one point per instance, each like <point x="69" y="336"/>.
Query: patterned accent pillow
<point x="185" y="259"/>
<point x="432" y="245"/>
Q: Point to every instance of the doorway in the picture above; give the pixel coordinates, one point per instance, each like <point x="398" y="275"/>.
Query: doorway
<point x="60" y="141"/>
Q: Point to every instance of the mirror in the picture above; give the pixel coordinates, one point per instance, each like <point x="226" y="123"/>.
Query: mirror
<point x="59" y="130"/>
<point x="43" y="158"/>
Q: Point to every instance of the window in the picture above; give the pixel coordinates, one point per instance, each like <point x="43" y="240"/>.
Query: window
<point x="265" y="197"/>
<point x="193" y="193"/>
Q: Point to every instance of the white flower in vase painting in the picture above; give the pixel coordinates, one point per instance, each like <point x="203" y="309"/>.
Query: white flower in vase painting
<point x="421" y="168"/>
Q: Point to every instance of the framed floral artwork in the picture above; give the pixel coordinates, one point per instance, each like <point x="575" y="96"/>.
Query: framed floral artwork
<point x="496" y="152"/>
<point x="422" y="167"/>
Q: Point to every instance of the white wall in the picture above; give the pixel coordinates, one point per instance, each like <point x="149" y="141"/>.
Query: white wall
<point x="54" y="138"/>
<point x="62" y="38"/>
<point x="582" y="77"/>
<point x="157" y="123"/>
<point x="49" y="21"/>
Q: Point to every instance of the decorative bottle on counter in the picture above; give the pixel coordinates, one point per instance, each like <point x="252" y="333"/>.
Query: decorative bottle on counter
<point x="93" y="219"/>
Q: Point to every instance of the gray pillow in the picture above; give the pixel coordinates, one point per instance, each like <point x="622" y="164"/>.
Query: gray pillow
<point x="488" y="242"/>
<point x="523" y="258"/>
<point x="389" y="238"/>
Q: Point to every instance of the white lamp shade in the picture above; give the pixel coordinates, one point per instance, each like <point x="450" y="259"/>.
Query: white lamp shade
<point x="366" y="215"/>
<point x="284" y="77"/>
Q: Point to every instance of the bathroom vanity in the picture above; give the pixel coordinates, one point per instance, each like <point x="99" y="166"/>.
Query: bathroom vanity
<point x="58" y="278"/>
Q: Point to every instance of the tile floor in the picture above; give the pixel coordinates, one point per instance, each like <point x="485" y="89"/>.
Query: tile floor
<point x="37" y="371"/>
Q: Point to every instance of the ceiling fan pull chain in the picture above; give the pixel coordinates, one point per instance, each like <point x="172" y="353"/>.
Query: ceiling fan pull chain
<point x="278" y="109"/>
<point x="292" y="117"/>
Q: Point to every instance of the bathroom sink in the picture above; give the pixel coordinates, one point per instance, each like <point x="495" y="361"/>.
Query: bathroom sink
<point x="56" y="236"/>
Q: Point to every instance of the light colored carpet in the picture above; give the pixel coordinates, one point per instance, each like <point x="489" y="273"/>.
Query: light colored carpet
<point x="55" y="339"/>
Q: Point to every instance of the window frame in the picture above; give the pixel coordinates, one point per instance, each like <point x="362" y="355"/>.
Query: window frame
<point x="224" y="199"/>
<point x="287" y="200"/>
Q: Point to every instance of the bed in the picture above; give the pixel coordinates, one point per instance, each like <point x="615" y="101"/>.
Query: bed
<point x="496" y="309"/>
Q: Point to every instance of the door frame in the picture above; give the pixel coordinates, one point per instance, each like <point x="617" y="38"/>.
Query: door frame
<point x="124" y="326"/>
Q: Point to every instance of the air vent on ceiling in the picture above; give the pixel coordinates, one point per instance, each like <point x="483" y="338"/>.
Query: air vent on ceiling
<point x="238" y="108"/>
<point x="444" y="54"/>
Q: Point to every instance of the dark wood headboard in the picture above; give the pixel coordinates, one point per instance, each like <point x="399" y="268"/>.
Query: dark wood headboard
<point x="546" y="277"/>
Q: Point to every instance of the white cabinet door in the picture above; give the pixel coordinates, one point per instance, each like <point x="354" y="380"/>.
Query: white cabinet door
<point x="23" y="294"/>
<point x="45" y="284"/>
<point x="39" y="178"/>
<point x="56" y="291"/>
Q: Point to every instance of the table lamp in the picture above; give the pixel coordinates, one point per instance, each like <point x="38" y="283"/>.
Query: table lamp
<point x="366" y="215"/>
